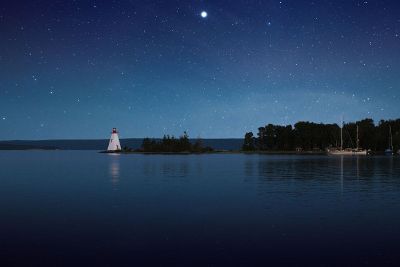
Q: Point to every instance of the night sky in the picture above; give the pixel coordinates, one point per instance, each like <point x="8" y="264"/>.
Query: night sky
<point x="75" y="69"/>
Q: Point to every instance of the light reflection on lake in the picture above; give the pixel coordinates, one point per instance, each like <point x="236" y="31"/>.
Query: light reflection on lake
<point x="114" y="169"/>
<point x="217" y="209"/>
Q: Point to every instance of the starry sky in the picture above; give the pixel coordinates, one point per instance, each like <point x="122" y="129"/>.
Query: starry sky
<point x="75" y="69"/>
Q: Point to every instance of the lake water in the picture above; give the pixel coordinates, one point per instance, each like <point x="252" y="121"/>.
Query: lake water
<point x="82" y="208"/>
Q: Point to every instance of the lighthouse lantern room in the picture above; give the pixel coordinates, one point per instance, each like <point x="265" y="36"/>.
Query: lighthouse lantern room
<point x="114" y="144"/>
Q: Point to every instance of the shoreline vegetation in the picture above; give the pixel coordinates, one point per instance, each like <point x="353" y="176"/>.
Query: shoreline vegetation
<point x="310" y="136"/>
<point x="219" y="152"/>
<point x="256" y="152"/>
<point x="306" y="138"/>
<point x="170" y="144"/>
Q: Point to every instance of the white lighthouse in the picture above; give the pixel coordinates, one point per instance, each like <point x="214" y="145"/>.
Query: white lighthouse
<point x="114" y="144"/>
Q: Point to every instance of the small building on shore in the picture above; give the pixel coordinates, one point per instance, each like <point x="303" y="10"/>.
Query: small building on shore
<point x="114" y="144"/>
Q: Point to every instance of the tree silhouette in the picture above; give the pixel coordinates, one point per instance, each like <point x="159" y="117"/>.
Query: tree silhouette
<point x="306" y="135"/>
<point x="248" y="144"/>
<point x="171" y="144"/>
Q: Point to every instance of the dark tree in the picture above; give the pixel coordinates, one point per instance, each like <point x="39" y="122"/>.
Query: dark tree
<point x="248" y="144"/>
<point x="197" y="146"/>
<point x="313" y="136"/>
<point x="171" y="144"/>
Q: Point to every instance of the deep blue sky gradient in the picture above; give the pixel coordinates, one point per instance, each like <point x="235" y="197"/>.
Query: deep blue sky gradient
<point x="75" y="69"/>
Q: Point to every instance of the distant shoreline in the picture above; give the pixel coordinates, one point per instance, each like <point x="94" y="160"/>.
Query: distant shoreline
<point x="101" y="144"/>
<point x="372" y="153"/>
<point x="220" y="152"/>
<point x="234" y="152"/>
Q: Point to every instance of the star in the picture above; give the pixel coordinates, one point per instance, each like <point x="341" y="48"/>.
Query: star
<point x="181" y="61"/>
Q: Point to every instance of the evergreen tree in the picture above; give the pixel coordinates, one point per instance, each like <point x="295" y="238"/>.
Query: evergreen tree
<point x="248" y="144"/>
<point x="311" y="136"/>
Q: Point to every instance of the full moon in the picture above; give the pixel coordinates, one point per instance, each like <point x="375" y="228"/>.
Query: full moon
<point x="203" y="14"/>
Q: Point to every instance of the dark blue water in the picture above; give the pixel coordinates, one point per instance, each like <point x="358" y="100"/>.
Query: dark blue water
<point x="82" y="208"/>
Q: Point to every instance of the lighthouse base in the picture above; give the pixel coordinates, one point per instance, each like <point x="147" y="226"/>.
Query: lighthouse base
<point x="111" y="151"/>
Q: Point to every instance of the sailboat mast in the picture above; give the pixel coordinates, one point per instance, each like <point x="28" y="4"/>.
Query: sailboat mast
<point x="391" y="138"/>
<point x="341" y="137"/>
<point x="357" y="138"/>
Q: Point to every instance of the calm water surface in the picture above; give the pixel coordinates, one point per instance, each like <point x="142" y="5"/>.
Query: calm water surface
<point x="82" y="208"/>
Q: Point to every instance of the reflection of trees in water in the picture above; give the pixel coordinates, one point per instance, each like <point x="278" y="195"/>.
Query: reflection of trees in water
<point x="385" y="169"/>
<point x="149" y="168"/>
<point x="365" y="170"/>
<point x="250" y="167"/>
<point x="303" y="168"/>
<point x="175" y="169"/>
<point x="295" y="188"/>
<point x="170" y="166"/>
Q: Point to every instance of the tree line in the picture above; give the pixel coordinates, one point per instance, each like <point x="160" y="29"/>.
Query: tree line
<point x="308" y="136"/>
<point x="172" y="144"/>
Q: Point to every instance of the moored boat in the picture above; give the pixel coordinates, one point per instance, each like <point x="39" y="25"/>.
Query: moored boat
<point x="347" y="151"/>
<point x="390" y="150"/>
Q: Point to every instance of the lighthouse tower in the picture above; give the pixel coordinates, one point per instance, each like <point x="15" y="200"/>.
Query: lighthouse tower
<point x="114" y="144"/>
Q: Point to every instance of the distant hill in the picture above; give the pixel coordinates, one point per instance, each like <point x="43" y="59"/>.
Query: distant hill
<point x="11" y="146"/>
<point x="101" y="144"/>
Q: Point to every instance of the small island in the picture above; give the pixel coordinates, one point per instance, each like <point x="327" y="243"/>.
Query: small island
<point x="169" y="144"/>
